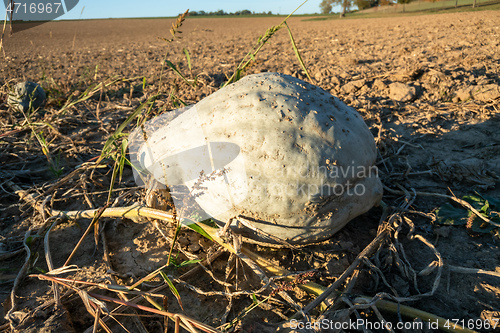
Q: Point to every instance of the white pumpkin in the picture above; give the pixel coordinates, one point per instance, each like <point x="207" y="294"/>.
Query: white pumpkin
<point x="299" y="163"/>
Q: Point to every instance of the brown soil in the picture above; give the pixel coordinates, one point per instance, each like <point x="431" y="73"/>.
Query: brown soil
<point x="427" y="86"/>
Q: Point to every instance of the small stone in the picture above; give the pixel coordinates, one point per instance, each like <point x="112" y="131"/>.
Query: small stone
<point x="318" y="76"/>
<point x="353" y="86"/>
<point x="402" y="92"/>
<point x="379" y="84"/>
<point x="349" y="61"/>
<point x="183" y="240"/>
<point x="335" y="81"/>
<point x="194" y="237"/>
<point x="26" y="95"/>
<point x="464" y="94"/>
<point x="194" y="247"/>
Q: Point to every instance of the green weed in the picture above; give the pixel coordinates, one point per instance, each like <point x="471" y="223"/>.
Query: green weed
<point x="488" y="207"/>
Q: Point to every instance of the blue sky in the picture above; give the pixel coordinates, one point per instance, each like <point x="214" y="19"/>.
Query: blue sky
<point x="154" y="8"/>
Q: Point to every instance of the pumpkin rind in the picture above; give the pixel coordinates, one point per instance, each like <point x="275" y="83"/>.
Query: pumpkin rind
<point x="308" y="158"/>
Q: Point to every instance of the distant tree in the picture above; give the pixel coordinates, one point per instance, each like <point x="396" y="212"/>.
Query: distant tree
<point x="346" y="5"/>
<point x="243" y="12"/>
<point x="221" y="12"/>
<point x="326" y="6"/>
<point x="404" y="2"/>
<point x="364" y="4"/>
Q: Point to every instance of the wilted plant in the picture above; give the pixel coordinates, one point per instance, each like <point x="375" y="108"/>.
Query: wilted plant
<point x="486" y="219"/>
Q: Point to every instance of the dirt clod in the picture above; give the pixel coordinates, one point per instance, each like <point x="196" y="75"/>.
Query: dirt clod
<point x="402" y="92"/>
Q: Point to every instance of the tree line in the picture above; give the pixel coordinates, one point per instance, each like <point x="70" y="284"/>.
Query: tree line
<point x="221" y="12"/>
<point x="327" y="5"/>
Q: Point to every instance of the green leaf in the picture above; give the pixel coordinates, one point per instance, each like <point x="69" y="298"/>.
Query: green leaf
<point x="123" y="158"/>
<point x="172" y="288"/>
<point x="480" y="203"/>
<point x="172" y="66"/>
<point x="494" y="202"/>
<point x="476" y="201"/>
<point x="486" y="208"/>
<point x="297" y="53"/>
<point x="450" y="215"/>
<point x="118" y="133"/>
<point x="199" y="230"/>
<point x="116" y="170"/>
<point x="188" y="262"/>
<point x="481" y="226"/>
<point x="176" y="235"/>
<point x="188" y="58"/>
